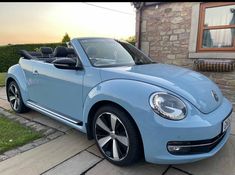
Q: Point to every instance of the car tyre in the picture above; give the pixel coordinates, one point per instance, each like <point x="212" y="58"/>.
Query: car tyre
<point x="116" y="136"/>
<point x="15" y="98"/>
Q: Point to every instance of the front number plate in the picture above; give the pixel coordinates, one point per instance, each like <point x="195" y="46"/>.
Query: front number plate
<point x="226" y="123"/>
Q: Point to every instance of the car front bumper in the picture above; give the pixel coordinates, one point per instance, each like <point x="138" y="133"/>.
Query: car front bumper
<point x="196" y="128"/>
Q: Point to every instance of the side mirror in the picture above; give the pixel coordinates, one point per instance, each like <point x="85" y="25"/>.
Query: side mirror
<point x="66" y="63"/>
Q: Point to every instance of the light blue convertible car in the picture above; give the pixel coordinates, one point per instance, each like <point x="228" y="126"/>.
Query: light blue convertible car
<point x="132" y="106"/>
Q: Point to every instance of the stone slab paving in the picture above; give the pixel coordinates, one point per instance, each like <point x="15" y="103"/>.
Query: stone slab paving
<point x="175" y="171"/>
<point x="75" y="165"/>
<point x="42" y="158"/>
<point x="223" y="163"/>
<point x="95" y="150"/>
<point x="141" y="168"/>
<point x="45" y="120"/>
<point x="3" y="93"/>
<point x="5" y="104"/>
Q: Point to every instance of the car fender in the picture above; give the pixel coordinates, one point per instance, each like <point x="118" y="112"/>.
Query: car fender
<point x="132" y="95"/>
<point x="15" y="72"/>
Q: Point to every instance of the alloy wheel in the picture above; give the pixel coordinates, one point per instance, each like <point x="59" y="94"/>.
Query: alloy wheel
<point x="14" y="98"/>
<point x="112" y="136"/>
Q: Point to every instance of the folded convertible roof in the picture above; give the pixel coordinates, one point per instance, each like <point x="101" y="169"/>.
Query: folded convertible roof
<point x="26" y="55"/>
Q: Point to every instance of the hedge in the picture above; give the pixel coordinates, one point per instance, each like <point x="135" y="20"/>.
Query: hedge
<point x="9" y="55"/>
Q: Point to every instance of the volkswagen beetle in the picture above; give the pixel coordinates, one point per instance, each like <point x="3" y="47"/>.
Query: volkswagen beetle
<point x="131" y="105"/>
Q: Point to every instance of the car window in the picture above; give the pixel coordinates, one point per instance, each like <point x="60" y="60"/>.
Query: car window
<point x="108" y="52"/>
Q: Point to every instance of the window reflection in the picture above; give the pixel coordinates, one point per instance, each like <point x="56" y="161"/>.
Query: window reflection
<point x="218" y="38"/>
<point x="216" y="16"/>
<point x="223" y="16"/>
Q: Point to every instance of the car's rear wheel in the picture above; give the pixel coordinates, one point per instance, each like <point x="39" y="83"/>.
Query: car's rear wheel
<point x="116" y="136"/>
<point x="15" y="98"/>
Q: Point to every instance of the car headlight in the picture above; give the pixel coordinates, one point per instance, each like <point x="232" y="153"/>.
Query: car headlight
<point x="168" y="106"/>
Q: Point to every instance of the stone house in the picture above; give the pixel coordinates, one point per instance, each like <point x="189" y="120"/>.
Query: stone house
<point x="186" y="33"/>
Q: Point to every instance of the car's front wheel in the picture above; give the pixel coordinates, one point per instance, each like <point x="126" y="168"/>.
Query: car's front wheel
<point x="116" y="136"/>
<point x="15" y="98"/>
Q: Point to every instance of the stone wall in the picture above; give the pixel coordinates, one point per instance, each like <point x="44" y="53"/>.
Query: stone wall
<point x="165" y="35"/>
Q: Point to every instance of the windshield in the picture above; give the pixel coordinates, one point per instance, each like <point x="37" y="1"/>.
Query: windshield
<point x="108" y="52"/>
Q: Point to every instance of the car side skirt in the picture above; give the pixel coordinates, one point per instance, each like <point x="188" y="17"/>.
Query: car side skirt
<point x="75" y="124"/>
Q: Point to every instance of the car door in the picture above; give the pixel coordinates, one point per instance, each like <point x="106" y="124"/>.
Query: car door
<point x="57" y="90"/>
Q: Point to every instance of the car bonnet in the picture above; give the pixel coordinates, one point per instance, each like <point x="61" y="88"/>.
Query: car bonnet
<point x="192" y="86"/>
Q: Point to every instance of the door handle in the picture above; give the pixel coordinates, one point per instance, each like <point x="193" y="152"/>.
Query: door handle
<point x="35" y="72"/>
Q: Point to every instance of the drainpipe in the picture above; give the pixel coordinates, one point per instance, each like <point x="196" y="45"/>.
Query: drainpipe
<point x="140" y="21"/>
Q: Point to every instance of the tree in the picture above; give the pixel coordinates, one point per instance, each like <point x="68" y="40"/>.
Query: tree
<point x="66" y="38"/>
<point x="131" y="40"/>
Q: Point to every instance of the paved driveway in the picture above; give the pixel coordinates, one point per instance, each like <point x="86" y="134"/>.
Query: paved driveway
<point x="73" y="154"/>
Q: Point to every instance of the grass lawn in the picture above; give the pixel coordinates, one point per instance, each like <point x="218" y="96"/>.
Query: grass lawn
<point x="2" y="78"/>
<point x="13" y="134"/>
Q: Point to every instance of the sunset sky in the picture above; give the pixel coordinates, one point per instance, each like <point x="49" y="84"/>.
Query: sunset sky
<point x="48" y="22"/>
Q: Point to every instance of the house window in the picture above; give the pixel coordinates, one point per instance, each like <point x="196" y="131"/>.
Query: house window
<point x="216" y="27"/>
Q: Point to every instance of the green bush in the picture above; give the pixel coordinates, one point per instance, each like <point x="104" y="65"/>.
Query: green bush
<point x="9" y="55"/>
<point x="131" y="40"/>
